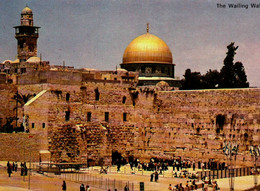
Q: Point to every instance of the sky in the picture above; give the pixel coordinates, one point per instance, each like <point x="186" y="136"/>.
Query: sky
<point x="95" y="33"/>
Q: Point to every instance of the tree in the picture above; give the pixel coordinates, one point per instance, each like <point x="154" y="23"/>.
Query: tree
<point x="22" y="98"/>
<point x="211" y="79"/>
<point x="192" y="80"/>
<point x="232" y="75"/>
<point x="240" y="75"/>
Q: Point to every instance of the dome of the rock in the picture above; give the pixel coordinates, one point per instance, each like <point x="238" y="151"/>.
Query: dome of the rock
<point x="151" y="57"/>
<point x="147" y="48"/>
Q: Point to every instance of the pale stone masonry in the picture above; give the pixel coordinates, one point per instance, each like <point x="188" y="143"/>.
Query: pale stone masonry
<point x="90" y="118"/>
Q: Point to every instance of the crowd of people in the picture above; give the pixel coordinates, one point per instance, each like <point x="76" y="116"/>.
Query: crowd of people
<point x="87" y="188"/>
<point x="82" y="188"/>
<point x="179" y="169"/>
<point x="186" y="174"/>
<point x="13" y="168"/>
<point x="177" y="164"/>
<point x="193" y="185"/>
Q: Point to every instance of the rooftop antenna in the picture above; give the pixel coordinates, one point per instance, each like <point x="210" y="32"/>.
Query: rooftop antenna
<point x="147" y="28"/>
<point x="40" y="59"/>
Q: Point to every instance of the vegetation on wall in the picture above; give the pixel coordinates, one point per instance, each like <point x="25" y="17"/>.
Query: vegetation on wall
<point x="9" y="127"/>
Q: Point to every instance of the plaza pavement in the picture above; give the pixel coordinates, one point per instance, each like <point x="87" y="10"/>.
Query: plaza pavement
<point x="39" y="182"/>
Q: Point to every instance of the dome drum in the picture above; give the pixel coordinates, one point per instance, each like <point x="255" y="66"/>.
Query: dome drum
<point x="151" y="69"/>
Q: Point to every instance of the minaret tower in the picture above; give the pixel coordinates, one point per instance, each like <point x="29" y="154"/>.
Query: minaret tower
<point x="26" y="35"/>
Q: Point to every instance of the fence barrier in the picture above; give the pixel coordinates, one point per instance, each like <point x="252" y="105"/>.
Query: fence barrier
<point x="226" y="173"/>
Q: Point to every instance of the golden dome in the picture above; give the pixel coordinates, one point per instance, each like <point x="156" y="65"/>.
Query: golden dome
<point x="26" y="10"/>
<point x="147" y="48"/>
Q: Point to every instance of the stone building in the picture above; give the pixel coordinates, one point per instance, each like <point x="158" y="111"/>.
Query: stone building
<point x="86" y="115"/>
<point x="152" y="59"/>
<point x="27" y="35"/>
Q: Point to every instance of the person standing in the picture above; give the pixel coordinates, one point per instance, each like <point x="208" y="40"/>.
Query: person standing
<point x="170" y="187"/>
<point x="8" y="165"/>
<point x="22" y="169"/>
<point x="25" y="169"/>
<point x="151" y="178"/>
<point x="82" y="187"/>
<point x="126" y="188"/>
<point x="64" y="186"/>
<point x="88" y="188"/>
<point x="13" y="167"/>
<point x="9" y="170"/>
<point x="16" y="167"/>
<point x="156" y="176"/>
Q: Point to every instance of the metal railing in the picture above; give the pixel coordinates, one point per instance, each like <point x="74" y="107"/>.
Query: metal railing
<point x="100" y="182"/>
<point x="226" y="173"/>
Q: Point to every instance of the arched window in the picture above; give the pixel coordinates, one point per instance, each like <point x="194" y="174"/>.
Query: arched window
<point x="124" y="100"/>
<point x="220" y="121"/>
<point x="67" y="115"/>
<point x="67" y="97"/>
<point x="142" y="69"/>
<point x="124" y="116"/>
<point x="97" y="94"/>
<point x="89" y="116"/>
<point x="106" y="116"/>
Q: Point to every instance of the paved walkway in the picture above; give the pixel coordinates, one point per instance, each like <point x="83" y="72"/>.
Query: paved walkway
<point x="40" y="182"/>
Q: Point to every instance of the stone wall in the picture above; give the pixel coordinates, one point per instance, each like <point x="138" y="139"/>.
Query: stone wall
<point x="187" y="119"/>
<point x="99" y="117"/>
<point x="19" y="147"/>
<point x="8" y="104"/>
<point x="160" y="124"/>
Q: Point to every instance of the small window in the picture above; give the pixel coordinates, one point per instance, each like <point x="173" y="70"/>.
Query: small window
<point x="105" y="78"/>
<point x="153" y="69"/>
<point x="162" y="69"/>
<point x="32" y="125"/>
<point x="67" y="97"/>
<point x="23" y="70"/>
<point x="106" y="116"/>
<point x="124" y="116"/>
<point x="124" y="100"/>
<point x="67" y="115"/>
<point x="89" y="116"/>
<point x="43" y="125"/>
<point x="97" y="94"/>
<point x="142" y="69"/>
<point x="115" y="78"/>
